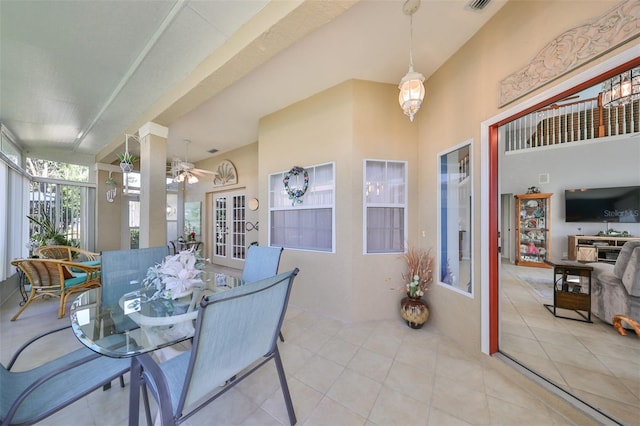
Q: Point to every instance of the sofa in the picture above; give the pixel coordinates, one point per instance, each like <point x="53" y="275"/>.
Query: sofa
<point x="615" y="288"/>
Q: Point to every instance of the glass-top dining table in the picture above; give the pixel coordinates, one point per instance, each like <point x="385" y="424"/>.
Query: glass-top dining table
<point x="140" y="322"/>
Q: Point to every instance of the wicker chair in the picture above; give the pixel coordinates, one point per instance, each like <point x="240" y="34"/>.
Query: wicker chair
<point x="52" y="277"/>
<point x="68" y="253"/>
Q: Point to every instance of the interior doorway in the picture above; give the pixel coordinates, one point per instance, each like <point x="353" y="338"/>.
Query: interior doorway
<point x="519" y="326"/>
<point x="228" y="229"/>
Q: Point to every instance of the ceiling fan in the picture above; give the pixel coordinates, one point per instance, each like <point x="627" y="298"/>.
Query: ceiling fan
<point x="182" y="171"/>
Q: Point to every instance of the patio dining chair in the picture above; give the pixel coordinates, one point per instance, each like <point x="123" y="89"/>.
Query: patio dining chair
<point x="123" y="271"/>
<point x="236" y="333"/>
<point x="261" y="262"/>
<point x="56" y="278"/>
<point x="29" y="396"/>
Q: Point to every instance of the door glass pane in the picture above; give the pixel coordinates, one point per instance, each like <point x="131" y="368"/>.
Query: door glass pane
<point x="220" y="226"/>
<point x="239" y="227"/>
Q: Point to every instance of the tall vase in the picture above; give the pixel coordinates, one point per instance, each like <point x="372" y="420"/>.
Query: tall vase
<point x="414" y="311"/>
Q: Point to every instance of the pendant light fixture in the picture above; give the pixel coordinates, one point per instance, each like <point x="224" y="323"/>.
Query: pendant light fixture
<point x="411" y="87"/>
<point x="621" y="89"/>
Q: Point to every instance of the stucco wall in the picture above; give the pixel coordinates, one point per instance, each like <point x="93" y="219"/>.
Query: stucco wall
<point x="245" y="160"/>
<point x="346" y="124"/>
<point x="108" y="215"/>
<point x="358" y="120"/>
<point x="462" y="94"/>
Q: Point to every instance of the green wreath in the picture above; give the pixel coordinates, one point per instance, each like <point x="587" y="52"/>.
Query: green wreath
<point x="295" y="193"/>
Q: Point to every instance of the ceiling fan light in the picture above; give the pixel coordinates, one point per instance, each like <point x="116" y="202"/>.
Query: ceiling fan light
<point x="192" y="179"/>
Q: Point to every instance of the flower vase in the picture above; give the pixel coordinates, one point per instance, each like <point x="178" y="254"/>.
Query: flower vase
<point x="175" y="294"/>
<point x="414" y="311"/>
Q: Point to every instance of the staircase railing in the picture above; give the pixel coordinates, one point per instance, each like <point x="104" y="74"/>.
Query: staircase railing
<point x="571" y="123"/>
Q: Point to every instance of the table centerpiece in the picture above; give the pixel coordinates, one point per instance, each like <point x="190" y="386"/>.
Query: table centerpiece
<point x="175" y="277"/>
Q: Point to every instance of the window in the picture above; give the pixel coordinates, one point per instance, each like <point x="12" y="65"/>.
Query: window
<point x="306" y="223"/>
<point x="14" y="184"/>
<point x="455" y="217"/>
<point x="8" y="146"/>
<point x="132" y="183"/>
<point x="385" y="206"/>
<point x="134" y="222"/>
<point x="56" y="170"/>
<point x="68" y="207"/>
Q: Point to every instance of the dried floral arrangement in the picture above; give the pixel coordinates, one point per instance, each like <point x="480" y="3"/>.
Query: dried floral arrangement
<point x="419" y="274"/>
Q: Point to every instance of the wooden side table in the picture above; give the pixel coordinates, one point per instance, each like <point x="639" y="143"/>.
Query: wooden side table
<point x="571" y="293"/>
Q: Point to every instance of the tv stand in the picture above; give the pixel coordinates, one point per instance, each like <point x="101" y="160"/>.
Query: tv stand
<point x="595" y="248"/>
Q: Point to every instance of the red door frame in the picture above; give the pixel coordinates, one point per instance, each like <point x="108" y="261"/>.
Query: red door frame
<point x="494" y="196"/>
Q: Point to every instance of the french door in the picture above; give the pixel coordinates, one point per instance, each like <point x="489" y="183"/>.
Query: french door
<point x="229" y="229"/>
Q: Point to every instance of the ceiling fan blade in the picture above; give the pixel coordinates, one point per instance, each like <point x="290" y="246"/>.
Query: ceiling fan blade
<point x="202" y="172"/>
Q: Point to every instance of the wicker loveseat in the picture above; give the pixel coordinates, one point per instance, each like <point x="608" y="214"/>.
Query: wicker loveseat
<point x="56" y="278"/>
<point x="68" y="253"/>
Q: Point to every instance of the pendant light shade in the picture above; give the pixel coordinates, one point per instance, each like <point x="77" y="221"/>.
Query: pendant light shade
<point x="411" y="86"/>
<point x="191" y="179"/>
<point x="411" y="93"/>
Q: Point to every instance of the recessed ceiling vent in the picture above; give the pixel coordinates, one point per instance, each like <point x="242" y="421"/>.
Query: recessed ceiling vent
<point x="212" y="151"/>
<point x="477" y="5"/>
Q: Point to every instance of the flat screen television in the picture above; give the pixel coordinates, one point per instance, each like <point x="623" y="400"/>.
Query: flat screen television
<point x="619" y="204"/>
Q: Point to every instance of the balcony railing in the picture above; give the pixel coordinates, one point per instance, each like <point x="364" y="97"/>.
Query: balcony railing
<point x="571" y="123"/>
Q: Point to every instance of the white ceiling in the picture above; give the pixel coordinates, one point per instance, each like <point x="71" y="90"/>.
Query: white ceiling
<point x="103" y="67"/>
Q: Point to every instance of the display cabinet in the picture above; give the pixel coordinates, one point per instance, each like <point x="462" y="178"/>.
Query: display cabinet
<point x="533" y="229"/>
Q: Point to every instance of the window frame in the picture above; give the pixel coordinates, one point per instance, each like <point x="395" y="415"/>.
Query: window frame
<point x="453" y="218"/>
<point x="366" y="205"/>
<point x="279" y="202"/>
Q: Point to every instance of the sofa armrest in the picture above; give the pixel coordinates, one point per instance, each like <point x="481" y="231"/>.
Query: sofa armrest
<point x="601" y="269"/>
<point x="631" y="275"/>
<point x="624" y="257"/>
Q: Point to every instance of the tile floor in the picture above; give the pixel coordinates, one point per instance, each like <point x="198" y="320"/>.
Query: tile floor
<point x="592" y="361"/>
<point x="372" y="373"/>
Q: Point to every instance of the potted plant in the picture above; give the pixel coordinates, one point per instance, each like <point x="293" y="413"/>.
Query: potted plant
<point x="48" y="233"/>
<point x="413" y="308"/>
<point x="126" y="161"/>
